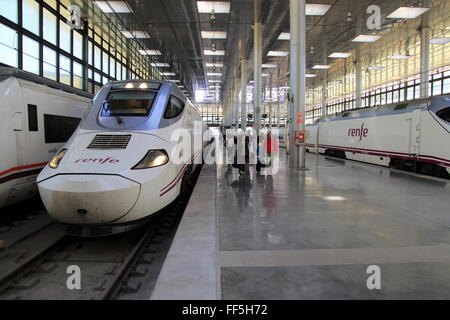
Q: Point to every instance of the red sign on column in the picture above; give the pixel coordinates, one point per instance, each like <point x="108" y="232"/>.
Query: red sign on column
<point x="299" y="138"/>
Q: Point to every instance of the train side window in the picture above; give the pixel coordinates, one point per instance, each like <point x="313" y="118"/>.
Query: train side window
<point x="32" y="118"/>
<point x="444" y="114"/>
<point x="174" y="108"/>
<point x="59" y="128"/>
<point x="400" y="106"/>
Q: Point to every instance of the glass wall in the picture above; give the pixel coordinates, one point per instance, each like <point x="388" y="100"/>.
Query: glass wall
<point x="37" y="38"/>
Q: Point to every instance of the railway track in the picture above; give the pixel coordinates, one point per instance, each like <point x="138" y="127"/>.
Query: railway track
<point x="123" y="266"/>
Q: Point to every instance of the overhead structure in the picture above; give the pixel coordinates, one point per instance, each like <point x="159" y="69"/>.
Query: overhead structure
<point x="243" y="86"/>
<point x="257" y="61"/>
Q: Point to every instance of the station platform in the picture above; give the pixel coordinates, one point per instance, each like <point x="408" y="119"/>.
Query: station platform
<point x="311" y="235"/>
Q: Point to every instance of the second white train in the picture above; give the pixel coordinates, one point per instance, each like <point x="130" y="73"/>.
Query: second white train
<point x="412" y="136"/>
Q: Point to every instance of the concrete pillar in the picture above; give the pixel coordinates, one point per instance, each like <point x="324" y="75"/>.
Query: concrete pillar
<point x="424" y="53"/>
<point x="270" y="101"/>
<point x="257" y="62"/>
<point x="297" y="64"/>
<point x="278" y="100"/>
<point x="358" y="77"/>
<point x="263" y="100"/>
<point x="325" y="72"/>
<point x="243" y="88"/>
<point x="236" y="105"/>
<point x="232" y="99"/>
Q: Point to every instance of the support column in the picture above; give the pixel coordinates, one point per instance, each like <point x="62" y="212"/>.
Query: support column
<point x="264" y="100"/>
<point x="278" y="100"/>
<point x="358" y="77"/>
<point x="243" y="88"/>
<point x="231" y="103"/>
<point x="257" y="63"/>
<point x="270" y="101"/>
<point x="297" y="64"/>
<point x="236" y="97"/>
<point x="325" y="72"/>
<point x="424" y="53"/>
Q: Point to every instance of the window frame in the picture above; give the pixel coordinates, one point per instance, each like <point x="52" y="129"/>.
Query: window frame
<point x="167" y="107"/>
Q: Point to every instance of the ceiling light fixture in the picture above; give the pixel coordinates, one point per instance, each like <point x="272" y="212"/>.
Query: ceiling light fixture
<point x="366" y="38"/>
<point x="340" y="55"/>
<point x="269" y="66"/>
<point x="440" y="40"/>
<point x="150" y="52"/>
<point x="334" y="198"/>
<point x="315" y="9"/>
<point x="284" y="36"/>
<point x="167" y="73"/>
<point x="217" y="6"/>
<point x="135" y="34"/>
<point x="213" y="65"/>
<point x="407" y="13"/>
<point x="321" y="67"/>
<point x="400" y="56"/>
<point x="113" y="6"/>
<point x="277" y="53"/>
<point x="214" y="52"/>
<point x="374" y="68"/>
<point x="214" y="34"/>
<point x="160" y="64"/>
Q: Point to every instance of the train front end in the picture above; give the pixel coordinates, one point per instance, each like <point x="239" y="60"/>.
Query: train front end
<point x="113" y="172"/>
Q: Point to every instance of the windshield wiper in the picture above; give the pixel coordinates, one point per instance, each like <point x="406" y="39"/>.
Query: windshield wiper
<point x="119" y="119"/>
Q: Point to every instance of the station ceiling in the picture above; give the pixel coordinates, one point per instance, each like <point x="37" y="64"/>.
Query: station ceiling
<point x="175" y="29"/>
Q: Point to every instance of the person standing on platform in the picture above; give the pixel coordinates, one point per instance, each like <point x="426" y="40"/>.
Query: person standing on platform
<point x="270" y="145"/>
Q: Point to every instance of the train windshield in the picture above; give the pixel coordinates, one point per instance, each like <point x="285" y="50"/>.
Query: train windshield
<point x="128" y="103"/>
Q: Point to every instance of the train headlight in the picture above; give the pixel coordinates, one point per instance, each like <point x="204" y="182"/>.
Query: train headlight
<point x="153" y="158"/>
<point x="54" y="163"/>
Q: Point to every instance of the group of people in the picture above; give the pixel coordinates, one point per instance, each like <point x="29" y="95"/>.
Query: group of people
<point x="267" y="149"/>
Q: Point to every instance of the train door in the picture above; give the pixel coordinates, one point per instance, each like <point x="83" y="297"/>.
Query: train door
<point x="23" y="186"/>
<point x="414" y="133"/>
<point x="316" y="147"/>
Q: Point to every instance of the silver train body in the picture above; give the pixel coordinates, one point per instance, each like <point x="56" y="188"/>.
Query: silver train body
<point x="38" y="117"/>
<point x="412" y="136"/>
<point x="118" y="167"/>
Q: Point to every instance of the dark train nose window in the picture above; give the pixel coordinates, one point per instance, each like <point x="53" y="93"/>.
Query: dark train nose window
<point x="444" y="114"/>
<point x="128" y="103"/>
<point x="174" y="108"/>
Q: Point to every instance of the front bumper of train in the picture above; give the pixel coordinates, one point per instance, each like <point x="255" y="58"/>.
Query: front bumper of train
<point x="89" y="198"/>
<point x="104" y="199"/>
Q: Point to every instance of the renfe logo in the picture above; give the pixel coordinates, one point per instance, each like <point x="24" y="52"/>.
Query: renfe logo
<point x="360" y="132"/>
<point x="98" y="160"/>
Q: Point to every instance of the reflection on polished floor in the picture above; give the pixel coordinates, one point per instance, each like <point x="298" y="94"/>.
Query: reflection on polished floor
<point x="312" y="234"/>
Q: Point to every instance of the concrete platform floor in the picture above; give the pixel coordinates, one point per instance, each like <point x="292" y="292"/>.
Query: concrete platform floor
<point x="311" y="235"/>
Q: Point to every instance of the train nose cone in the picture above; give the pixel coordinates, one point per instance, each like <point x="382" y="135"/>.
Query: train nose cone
<point x="88" y="199"/>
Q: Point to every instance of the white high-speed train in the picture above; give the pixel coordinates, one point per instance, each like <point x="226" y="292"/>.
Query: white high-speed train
<point x="37" y="118"/>
<point x="412" y="136"/>
<point x="119" y="167"/>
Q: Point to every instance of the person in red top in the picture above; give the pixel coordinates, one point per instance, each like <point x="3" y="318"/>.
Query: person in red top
<point x="270" y="144"/>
